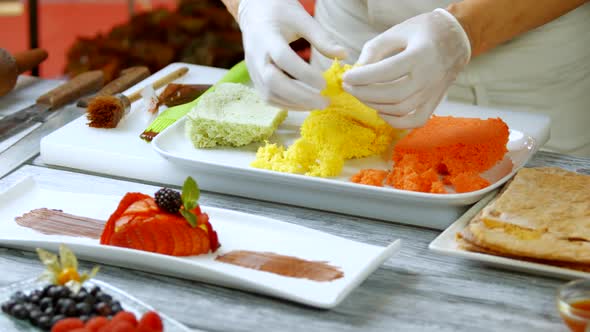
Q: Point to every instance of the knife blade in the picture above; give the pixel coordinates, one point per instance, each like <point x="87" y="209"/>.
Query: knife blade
<point x="75" y="88"/>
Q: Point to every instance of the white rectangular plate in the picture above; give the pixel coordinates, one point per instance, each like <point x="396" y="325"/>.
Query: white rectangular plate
<point x="446" y="244"/>
<point x="237" y="231"/>
<point x="120" y="152"/>
<point x="393" y="204"/>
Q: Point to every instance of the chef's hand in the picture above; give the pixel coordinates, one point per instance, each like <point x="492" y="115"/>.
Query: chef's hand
<point x="406" y="71"/>
<point x="278" y="73"/>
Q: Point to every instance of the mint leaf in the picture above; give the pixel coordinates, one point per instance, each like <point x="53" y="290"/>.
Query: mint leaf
<point x="190" y="194"/>
<point x="190" y="217"/>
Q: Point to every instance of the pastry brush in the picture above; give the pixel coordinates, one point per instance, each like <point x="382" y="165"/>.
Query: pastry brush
<point x="107" y="111"/>
<point x="128" y="78"/>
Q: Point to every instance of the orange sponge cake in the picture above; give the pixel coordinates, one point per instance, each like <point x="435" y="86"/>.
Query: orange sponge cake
<point x="446" y="151"/>
<point x="458" y="148"/>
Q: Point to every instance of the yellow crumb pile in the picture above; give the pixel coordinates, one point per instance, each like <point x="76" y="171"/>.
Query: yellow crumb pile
<point x="346" y="129"/>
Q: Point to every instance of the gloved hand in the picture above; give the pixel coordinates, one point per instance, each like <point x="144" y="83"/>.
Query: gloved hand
<point x="406" y="70"/>
<point x="278" y="73"/>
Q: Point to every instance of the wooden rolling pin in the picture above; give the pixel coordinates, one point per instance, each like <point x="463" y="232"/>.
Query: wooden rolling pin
<point x="12" y="66"/>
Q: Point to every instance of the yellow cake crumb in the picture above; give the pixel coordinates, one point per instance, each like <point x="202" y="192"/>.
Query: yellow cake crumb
<point x="346" y="129"/>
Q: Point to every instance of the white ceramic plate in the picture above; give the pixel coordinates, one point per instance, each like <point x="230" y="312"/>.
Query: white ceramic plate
<point x="128" y="302"/>
<point x="387" y="203"/>
<point x="446" y="244"/>
<point x="237" y="231"/>
<point x="120" y="152"/>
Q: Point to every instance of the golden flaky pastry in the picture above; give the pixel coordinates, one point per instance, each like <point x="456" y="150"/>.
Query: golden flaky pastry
<point x="543" y="214"/>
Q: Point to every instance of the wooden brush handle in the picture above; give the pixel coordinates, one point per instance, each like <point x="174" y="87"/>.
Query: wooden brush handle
<point x="161" y="82"/>
<point x="128" y="78"/>
<point x="73" y="89"/>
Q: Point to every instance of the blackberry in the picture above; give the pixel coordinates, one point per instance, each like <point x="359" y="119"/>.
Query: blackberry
<point x="168" y="200"/>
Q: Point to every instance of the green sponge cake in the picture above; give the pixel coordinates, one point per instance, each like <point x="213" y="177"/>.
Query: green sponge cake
<point x="232" y="115"/>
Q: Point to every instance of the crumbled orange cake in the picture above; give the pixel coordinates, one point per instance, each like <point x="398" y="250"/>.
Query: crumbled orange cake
<point x="447" y="150"/>
<point x="371" y="177"/>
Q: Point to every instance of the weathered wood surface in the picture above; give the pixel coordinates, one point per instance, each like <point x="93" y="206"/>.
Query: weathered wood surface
<point x="415" y="290"/>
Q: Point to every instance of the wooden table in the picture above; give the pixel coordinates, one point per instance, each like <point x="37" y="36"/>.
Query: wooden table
<point x="415" y="290"/>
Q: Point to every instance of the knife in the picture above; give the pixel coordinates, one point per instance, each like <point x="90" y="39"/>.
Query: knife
<point x="80" y="85"/>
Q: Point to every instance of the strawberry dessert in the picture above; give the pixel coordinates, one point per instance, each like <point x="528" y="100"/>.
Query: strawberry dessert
<point x="169" y="223"/>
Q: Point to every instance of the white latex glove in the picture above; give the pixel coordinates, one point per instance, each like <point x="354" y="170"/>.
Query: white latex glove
<point x="278" y="73"/>
<point x="406" y="70"/>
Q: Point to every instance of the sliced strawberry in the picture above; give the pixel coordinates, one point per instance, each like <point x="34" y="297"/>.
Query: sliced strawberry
<point x="205" y="243"/>
<point x="162" y="236"/>
<point x="196" y="240"/>
<point x="178" y="245"/>
<point x="133" y="239"/>
<point x="125" y="219"/>
<point x="214" y="242"/>
<point x="212" y="235"/>
<point x="147" y="237"/>
<point x="125" y="202"/>
<point x="202" y="218"/>
<point x="196" y="211"/>
<point x="144" y="206"/>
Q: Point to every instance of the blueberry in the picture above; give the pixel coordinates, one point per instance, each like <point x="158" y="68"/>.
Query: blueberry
<point x="64" y="292"/>
<point x="65" y="306"/>
<point x="18" y="297"/>
<point x="49" y="311"/>
<point x="94" y="290"/>
<point x="38" y="292"/>
<point x="80" y="296"/>
<point x="103" y="297"/>
<point x="34" y="316"/>
<point x="116" y="307"/>
<point x="19" y="311"/>
<point x="70" y="310"/>
<point x="29" y="306"/>
<point x="35" y="298"/>
<point x="54" y="292"/>
<point x="44" y="322"/>
<point x="46" y="289"/>
<point x="7" y="306"/>
<point x="90" y="299"/>
<point x="103" y="309"/>
<point x="84" y="308"/>
<point x="45" y="303"/>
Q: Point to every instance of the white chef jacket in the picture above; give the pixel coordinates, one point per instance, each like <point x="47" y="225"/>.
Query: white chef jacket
<point x="546" y="70"/>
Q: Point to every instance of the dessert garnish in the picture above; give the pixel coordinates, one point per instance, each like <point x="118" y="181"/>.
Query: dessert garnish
<point x="286" y="266"/>
<point x="162" y="225"/>
<point x="169" y="200"/>
<point x="57" y="222"/>
<point x="63" y="270"/>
